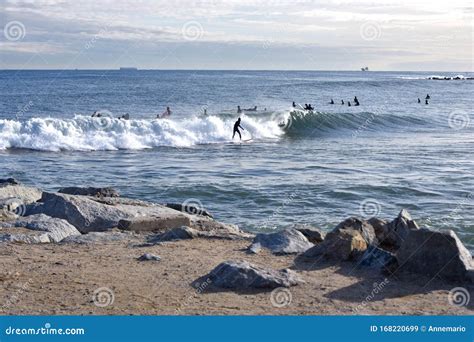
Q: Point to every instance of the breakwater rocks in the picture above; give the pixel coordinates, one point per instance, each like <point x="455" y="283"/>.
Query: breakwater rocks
<point x="92" y="216"/>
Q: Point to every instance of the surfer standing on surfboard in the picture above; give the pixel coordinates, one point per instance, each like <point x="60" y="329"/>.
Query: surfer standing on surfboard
<point x="236" y="129"/>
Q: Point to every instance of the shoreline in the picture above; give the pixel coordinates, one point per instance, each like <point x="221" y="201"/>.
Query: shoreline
<point x="109" y="255"/>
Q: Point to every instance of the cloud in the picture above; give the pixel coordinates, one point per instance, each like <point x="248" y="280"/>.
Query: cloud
<point x="437" y="30"/>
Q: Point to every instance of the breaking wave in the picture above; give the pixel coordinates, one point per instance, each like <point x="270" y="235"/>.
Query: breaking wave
<point x="84" y="133"/>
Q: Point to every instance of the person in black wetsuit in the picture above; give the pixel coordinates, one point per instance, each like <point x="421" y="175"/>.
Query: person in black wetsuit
<point x="236" y="129"/>
<point x="419" y="101"/>
<point x="342" y="102"/>
<point x="356" y="101"/>
<point x="332" y="101"/>
<point x="294" y="104"/>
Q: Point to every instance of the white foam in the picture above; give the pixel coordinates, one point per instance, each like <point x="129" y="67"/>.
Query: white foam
<point x="84" y="133"/>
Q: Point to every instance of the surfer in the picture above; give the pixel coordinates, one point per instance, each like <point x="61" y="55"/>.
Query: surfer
<point x="125" y="117"/>
<point x="236" y="129"/>
<point x="165" y="114"/>
<point x="294" y="104"/>
<point x="426" y="102"/>
<point x="332" y="101"/>
<point x="239" y="110"/>
<point x="342" y="102"/>
<point x="419" y="101"/>
<point x="349" y="103"/>
<point x="427" y="97"/>
<point x="356" y="101"/>
<point x="96" y="114"/>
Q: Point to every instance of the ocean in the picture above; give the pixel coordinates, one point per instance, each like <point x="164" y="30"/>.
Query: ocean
<point x="317" y="168"/>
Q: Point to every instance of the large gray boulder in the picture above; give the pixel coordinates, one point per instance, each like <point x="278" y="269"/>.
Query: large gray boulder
<point x="38" y="229"/>
<point x="288" y="241"/>
<point x="360" y="225"/>
<point x="313" y="234"/>
<point x="394" y="233"/>
<point x="340" y="245"/>
<point x="241" y="275"/>
<point x="161" y="219"/>
<point x="26" y="194"/>
<point x="89" y="214"/>
<point x="14" y="198"/>
<point x="24" y="236"/>
<point x="435" y="253"/>
<point x="82" y="212"/>
<point x="90" y="191"/>
<point x="57" y="229"/>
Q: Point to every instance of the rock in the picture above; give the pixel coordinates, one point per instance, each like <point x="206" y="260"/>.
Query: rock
<point x="380" y="228"/>
<point x="80" y="211"/>
<point x="216" y="229"/>
<point x="25" y="236"/>
<point x="37" y="229"/>
<point x="314" y="235"/>
<point x="57" y="229"/>
<point x="241" y="275"/>
<point x="342" y="244"/>
<point x="396" y="231"/>
<point x="149" y="257"/>
<point x="11" y="208"/>
<point x="164" y="220"/>
<point x="362" y="226"/>
<point x="254" y="248"/>
<point x="179" y="233"/>
<point x="435" y="253"/>
<point x="25" y="193"/>
<point x="98" y="238"/>
<point x="90" y="191"/>
<point x="288" y="241"/>
<point x="88" y="215"/>
<point x="189" y="209"/>
<point x="9" y="181"/>
<point x="376" y="258"/>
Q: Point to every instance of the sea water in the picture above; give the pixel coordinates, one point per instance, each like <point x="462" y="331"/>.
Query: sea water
<point x="317" y="168"/>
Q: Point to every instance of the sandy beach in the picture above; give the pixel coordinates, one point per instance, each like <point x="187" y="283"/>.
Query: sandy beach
<point x="60" y="279"/>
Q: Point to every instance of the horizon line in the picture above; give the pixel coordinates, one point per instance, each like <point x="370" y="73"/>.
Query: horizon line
<point x="132" y="69"/>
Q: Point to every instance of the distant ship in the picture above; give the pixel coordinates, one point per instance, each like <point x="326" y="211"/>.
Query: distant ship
<point x="364" y="69"/>
<point x="128" y="69"/>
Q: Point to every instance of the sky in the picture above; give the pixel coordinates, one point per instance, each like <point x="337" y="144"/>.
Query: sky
<point x="416" y="35"/>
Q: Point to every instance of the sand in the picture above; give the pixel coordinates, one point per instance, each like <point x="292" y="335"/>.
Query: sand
<point x="60" y="279"/>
